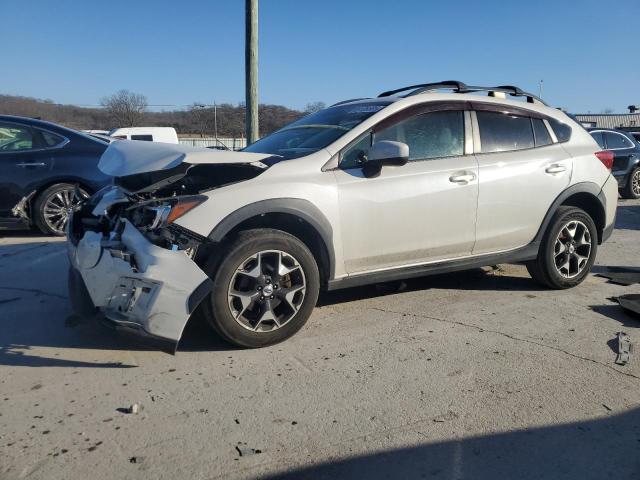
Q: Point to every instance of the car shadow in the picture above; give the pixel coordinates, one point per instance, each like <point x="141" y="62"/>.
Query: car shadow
<point x="595" y="449"/>
<point x="628" y="217"/>
<point x="479" y="279"/>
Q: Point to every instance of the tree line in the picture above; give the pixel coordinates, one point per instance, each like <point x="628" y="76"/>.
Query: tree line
<point x="128" y="109"/>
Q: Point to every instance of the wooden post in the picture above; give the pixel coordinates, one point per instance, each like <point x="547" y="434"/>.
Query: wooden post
<point x="251" y="70"/>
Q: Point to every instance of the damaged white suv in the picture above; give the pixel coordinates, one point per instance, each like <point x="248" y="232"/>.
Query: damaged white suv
<point x="424" y="179"/>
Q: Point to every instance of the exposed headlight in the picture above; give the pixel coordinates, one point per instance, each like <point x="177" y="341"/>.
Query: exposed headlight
<point x="164" y="212"/>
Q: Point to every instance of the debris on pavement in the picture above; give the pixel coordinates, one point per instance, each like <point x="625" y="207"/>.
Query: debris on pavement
<point x="243" y="450"/>
<point x="620" y="275"/>
<point x="624" y="349"/>
<point x="133" y="409"/>
<point x="630" y="302"/>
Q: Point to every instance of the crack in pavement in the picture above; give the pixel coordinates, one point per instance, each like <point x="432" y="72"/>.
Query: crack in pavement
<point x="34" y="290"/>
<point x="512" y="337"/>
<point x="23" y="250"/>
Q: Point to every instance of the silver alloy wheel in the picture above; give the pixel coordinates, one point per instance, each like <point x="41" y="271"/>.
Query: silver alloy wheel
<point x="572" y="249"/>
<point x="266" y="291"/>
<point x="635" y="182"/>
<point x="59" y="205"/>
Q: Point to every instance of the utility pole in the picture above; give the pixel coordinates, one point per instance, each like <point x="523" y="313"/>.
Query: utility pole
<point x="540" y="89"/>
<point x="251" y="70"/>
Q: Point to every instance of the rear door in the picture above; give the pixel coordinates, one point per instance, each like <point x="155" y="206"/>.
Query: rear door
<point x="521" y="172"/>
<point x="417" y="213"/>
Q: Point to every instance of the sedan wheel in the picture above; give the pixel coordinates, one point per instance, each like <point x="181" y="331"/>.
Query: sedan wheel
<point x="55" y="204"/>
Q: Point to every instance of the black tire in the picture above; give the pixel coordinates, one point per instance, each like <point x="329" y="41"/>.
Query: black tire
<point x="543" y="269"/>
<point x="222" y="270"/>
<point x="48" y="227"/>
<point x="632" y="189"/>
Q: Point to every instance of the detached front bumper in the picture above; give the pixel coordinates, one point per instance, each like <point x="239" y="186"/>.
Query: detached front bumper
<point x="135" y="285"/>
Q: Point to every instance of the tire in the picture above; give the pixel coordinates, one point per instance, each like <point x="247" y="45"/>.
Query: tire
<point x="269" y="307"/>
<point x="632" y="189"/>
<point x="60" y="197"/>
<point x="551" y="268"/>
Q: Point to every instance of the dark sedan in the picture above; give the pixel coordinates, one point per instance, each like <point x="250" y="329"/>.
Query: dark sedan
<point x="626" y="161"/>
<point x="45" y="170"/>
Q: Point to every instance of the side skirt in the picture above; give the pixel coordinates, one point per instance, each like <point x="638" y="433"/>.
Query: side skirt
<point x="528" y="252"/>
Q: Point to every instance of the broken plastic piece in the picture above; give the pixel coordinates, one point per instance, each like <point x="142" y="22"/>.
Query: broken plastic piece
<point x="630" y="302"/>
<point x="624" y="349"/>
<point x="621" y="275"/>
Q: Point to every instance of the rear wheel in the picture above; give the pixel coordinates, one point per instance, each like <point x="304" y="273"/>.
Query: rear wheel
<point x="265" y="286"/>
<point x="632" y="190"/>
<point x="567" y="251"/>
<point x="52" y="207"/>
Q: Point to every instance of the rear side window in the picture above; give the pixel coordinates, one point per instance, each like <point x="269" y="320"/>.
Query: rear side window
<point x="615" y="140"/>
<point x="146" y="138"/>
<point x="51" y="139"/>
<point x="598" y="137"/>
<point x="541" y="133"/>
<point x="562" y="131"/>
<point x="501" y="132"/>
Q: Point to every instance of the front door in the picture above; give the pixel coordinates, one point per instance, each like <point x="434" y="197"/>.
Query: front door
<point x="420" y="212"/>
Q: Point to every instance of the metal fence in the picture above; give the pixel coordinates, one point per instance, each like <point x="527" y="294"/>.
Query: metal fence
<point x="227" y="142"/>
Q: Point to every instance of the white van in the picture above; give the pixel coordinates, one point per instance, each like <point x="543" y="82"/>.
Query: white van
<point x="149" y="134"/>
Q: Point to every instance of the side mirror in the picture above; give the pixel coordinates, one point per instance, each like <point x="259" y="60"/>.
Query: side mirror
<point x="385" y="152"/>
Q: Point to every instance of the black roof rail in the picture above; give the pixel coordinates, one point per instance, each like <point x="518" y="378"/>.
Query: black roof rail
<point x="459" y="87"/>
<point x="347" y="101"/>
<point x="453" y="84"/>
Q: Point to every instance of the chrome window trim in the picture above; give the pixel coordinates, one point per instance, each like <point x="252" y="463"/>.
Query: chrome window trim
<point x="64" y="142"/>
<point x="554" y="139"/>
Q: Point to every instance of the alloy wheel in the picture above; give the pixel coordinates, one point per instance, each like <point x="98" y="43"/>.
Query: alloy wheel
<point x="572" y="249"/>
<point x="60" y="205"/>
<point x="635" y="182"/>
<point x="266" y="291"/>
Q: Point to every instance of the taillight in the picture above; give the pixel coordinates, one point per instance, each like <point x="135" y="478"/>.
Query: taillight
<point x="606" y="157"/>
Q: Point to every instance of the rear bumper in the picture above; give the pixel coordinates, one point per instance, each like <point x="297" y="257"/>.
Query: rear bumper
<point x="135" y="286"/>
<point x="609" y="194"/>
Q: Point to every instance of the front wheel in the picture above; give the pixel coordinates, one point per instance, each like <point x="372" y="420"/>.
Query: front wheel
<point x="632" y="190"/>
<point x="52" y="207"/>
<point x="265" y="286"/>
<point x="567" y="251"/>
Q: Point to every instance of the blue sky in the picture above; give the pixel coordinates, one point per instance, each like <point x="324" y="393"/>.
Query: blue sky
<point x="180" y="52"/>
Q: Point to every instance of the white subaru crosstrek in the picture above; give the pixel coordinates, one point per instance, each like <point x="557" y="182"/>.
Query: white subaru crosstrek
<point x="425" y="179"/>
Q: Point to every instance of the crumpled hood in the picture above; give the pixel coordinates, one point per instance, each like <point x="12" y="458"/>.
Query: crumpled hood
<point x="131" y="157"/>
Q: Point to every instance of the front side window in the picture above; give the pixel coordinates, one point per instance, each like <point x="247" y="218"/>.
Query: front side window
<point x="316" y="131"/>
<point x="500" y="132"/>
<point x="430" y="135"/>
<point x="615" y="140"/>
<point x="15" y="137"/>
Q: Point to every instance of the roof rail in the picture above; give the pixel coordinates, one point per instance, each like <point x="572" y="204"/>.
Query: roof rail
<point x="459" y="87"/>
<point x="453" y="84"/>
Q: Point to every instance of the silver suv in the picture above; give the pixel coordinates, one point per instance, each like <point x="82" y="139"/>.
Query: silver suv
<point x="425" y="179"/>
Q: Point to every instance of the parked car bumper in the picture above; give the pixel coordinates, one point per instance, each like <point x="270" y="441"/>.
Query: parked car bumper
<point x="135" y="285"/>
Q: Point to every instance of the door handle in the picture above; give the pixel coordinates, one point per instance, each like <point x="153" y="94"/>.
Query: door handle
<point x="30" y="164"/>
<point x="555" y="168"/>
<point x="462" y="178"/>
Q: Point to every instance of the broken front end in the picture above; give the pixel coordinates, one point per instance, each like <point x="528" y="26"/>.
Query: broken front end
<point x="131" y="265"/>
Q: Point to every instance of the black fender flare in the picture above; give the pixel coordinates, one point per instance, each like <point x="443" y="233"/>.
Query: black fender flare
<point x="297" y="207"/>
<point x="590" y="188"/>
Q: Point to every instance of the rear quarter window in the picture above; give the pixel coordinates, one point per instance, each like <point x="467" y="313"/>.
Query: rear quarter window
<point x="562" y="131"/>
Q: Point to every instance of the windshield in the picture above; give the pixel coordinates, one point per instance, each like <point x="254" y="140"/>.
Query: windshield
<point x="315" y="131"/>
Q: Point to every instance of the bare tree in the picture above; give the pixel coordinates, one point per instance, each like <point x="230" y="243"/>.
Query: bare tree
<point x="314" y="107"/>
<point x="202" y="117"/>
<point x="125" y="108"/>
